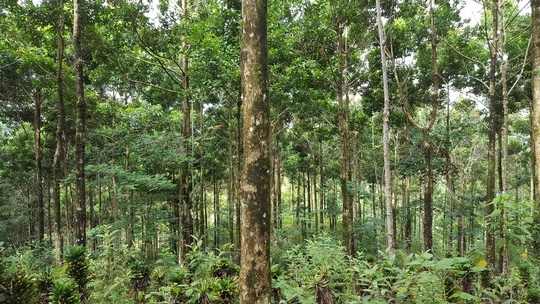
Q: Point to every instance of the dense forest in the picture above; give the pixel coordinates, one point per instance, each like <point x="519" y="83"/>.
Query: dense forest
<point x="269" y="151"/>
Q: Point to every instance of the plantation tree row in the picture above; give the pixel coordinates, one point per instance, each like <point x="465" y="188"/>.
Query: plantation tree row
<point x="395" y="124"/>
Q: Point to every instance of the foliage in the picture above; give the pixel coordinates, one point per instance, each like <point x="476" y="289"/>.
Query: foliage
<point x="111" y="279"/>
<point x="65" y="291"/>
<point x="76" y="263"/>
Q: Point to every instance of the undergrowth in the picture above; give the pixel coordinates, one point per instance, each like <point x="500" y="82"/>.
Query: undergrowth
<point x="317" y="272"/>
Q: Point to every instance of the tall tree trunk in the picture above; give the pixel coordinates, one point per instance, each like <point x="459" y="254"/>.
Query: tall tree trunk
<point x="344" y="155"/>
<point x="202" y="199"/>
<point x="217" y="216"/>
<point x="60" y="138"/>
<point x="426" y="142"/>
<point x="38" y="100"/>
<point x="490" y="185"/>
<point x="231" y="179"/>
<point x="255" y="276"/>
<point x="535" y="6"/>
<point x="322" y="205"/>
<point x="80" y="215"/>
<point x="386" y="136"/>
<point x="186" y="219"/>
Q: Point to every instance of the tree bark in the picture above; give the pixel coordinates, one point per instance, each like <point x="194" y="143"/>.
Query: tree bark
<point x="38" y="100"/>
<point x="344" y="155"/>
<point x="60" y="138"/>
<point x="186" y="219"/>
<point x="80" y="214"/>
<point x="386" y="136"/>
<point x="490" y="185"/>
<point x="535" y="6"/>
<point x="230" y="181"/>
<point x="255" y="275"/>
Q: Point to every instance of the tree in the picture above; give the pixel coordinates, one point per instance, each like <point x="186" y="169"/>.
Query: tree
<point x="60" y="135"/>
<point x="255" y="275"/>
<point x="535" y="117"/>
<point x="386" y="135"/>
<point x="80" y="216"/>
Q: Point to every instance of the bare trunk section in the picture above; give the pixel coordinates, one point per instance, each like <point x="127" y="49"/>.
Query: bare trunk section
<point x="202" y="196"/>
<point x="535" y="6"/>
<point x="490" y="185"/>
<point x="386" y="137"/>
<point x="80" y="214"/>
<point x="255" y="275"/>
<point x="344" y="155"/>
<point x="185" y="216"/>
<point x="38" y="100"/>
<point x="60" y="138"/>
<point x="230" y="181"/>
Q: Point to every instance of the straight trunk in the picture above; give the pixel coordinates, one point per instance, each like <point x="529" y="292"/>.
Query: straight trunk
<point x="535" y="6"/>
<point x="38" y="100"/>
<point x="60" y="138"/>
<point x="386" y="136"/>
<point x="490" y="185"/>
<point x="80" y="214"/>
<point x="186" y="219"/>
<point x="344" y="156"/>
<point x="255" y="276"/>
<point x="230" y="181"/>
<point x="202" y="199"/>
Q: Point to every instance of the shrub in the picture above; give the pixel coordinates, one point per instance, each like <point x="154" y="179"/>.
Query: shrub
<point x="65" y="291"/>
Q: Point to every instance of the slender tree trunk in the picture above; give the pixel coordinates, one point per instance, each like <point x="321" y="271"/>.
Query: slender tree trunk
<point x="239" y="152"/>
<point x="60" y="138"/>
<point x="426" y="142"/>
<point x="279" y="198"/>
<point x="386" y="136"/>
<point x="255" y="275"/>
<point x="202" y="199"/>
<point x="322" y="205"/>
<point x="186" y="219"/>
<point x="80" y="214"/>
<point x="38" y="100"/>
<point x="490" y="185"/>
<point x="230" y="181"/>
<point x="344" y="156"/>
<point x="535" y="6"/>
<point x="217" y="217"/>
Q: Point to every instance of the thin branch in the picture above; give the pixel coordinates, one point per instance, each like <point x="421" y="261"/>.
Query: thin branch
<point x="153" y="85"/>
<point x="522" y="67"/>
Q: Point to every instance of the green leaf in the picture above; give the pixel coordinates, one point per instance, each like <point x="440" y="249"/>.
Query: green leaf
<point x="465" y="296"/>
<point x="495" y="213"/>
<point x="445" y="264"/>
<point x="528" y="219"/>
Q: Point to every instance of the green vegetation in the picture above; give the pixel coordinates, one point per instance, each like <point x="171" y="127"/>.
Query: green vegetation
<point x="125" y="184"/>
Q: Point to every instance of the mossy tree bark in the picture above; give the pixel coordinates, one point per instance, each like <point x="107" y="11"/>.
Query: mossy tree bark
<point x="255" y="275"/>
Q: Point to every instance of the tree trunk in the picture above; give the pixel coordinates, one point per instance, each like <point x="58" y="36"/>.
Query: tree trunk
<point x="344" y="155"/>
<point x="60" y="138"/>
<point x="535" y="6"/>
<point x="202" y="198"/>
<point x="186" y="219"/>
<point x="490" y="185"/>
<point x="230" y="181"/>
<point x="38" y="100"/>
<point x="386" y="136"/>
<point x="80" y="214"/>
<point x="255" y="275"/>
